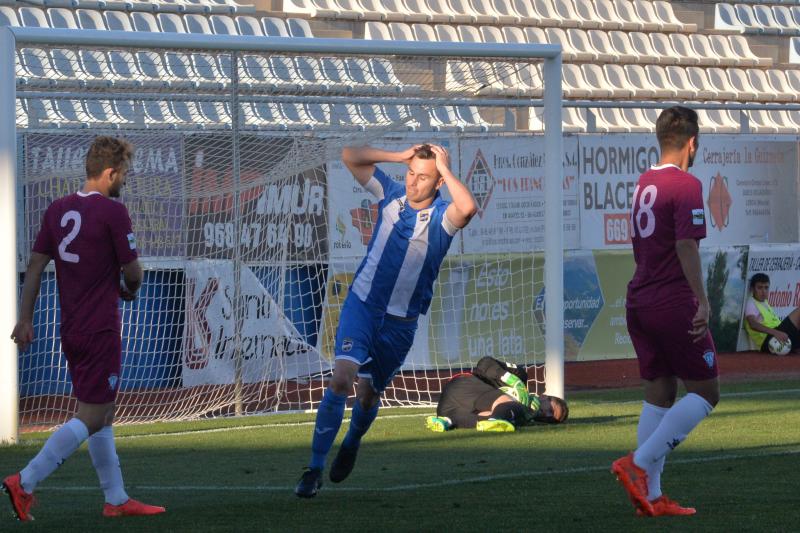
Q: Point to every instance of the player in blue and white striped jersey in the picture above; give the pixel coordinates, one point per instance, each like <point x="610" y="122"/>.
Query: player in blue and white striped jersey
<point x="392" y="287"/>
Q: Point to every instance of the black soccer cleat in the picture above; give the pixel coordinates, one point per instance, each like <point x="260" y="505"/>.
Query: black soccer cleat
<point x="310" y="482"/>
<point x="343" y="464"/>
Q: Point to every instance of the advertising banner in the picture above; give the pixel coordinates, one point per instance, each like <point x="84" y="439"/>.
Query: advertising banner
<point x="282" y="216"/>
<point x="271" y="347"/>
<point x="55" y="166"/>
<point x="749" y="187"/>
<point x="506" y="177"/>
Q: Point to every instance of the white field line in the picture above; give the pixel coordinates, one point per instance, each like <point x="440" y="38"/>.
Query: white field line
<point x="387" y="417"/>
<point x="432" y="485"/>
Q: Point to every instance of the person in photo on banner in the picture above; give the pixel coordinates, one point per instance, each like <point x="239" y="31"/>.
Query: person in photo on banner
<point x="391" y="288"/>
<point x="668" y="312"/>
<point x="90" y="238"/>
<point x="493" y="397"/>
<point x="763" y="324"/>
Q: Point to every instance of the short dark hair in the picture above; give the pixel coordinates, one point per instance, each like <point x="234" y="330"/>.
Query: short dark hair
<point x="108" y="152"/>
<point x="758" y="278"/>
<point x="424" y="151"/>
<point x="675" y="126"/>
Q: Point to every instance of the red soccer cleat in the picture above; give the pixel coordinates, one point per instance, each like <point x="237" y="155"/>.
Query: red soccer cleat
<point x="663" y="506"/>
<point x="21" y="501"/>
<point x="634" y="481"/>
<point x="131" y="508"/>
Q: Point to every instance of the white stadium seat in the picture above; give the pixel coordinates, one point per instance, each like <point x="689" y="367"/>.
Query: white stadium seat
<point x="778" y="79"/>
<point x="377" y="31"/>
<point x="608" y="17"/>
<point x="658" y="77"/>
<point x="529" y="15"/>
<point x="248" y="25"/>
<point x="627" y="15"/>
<point x="399" y="11"/>
<point x="687" y="54"/>
<point x="197" y="24"/>
<point x="585" y="17"/>
<point x="702" y="45"/>
<point x="570" y="53"/>
<point x="763" y="15"/>
<point x="746" y="16"/>
<point x="739" y="81"/>
<point x="665" y="12"/>
<point x="581" y="42"/>
<point x="641" y="43"/>
<point x="645" y="13"/>
<point x="274" y="27"/>
<point x="401" y="32"/>
<point x="488" y="8"/>
<point x="572" y="83"/>
<point x="725" y="18"/>
<point x="784" y="21"/>
<point x="548" y="12"/>
<point x="667" y="55"/>
<point x="758" y="80"/>
<point x="223" y="25"/>
<point x="602" y="43"/>
<point x="699" y="78"/>
<point x="618" y="79"/>
<point x="373" y="10"/>
<point x="637" y="77"/>
<point x="299" y="28"/>
<point x="680" y="80"/>
<point x="718" y="79"/>
<point x="595" y="78"/>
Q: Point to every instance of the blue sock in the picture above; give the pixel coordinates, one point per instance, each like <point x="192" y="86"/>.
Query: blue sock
<point x="359" y="424"/>
<point x="329" y="420"/>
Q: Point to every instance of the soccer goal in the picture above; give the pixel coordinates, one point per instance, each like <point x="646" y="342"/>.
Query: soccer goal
<point x="250" y="228"/>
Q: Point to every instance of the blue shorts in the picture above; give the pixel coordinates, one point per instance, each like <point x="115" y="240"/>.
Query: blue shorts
<point x="376" y="342"/>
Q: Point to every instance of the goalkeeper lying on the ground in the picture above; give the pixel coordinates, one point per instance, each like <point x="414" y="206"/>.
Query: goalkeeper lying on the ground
<point x="493" y="397"/>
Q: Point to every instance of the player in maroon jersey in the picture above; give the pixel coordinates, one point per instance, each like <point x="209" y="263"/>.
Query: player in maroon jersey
<point x="668" y="312"/>
<point x="90" y="238"/>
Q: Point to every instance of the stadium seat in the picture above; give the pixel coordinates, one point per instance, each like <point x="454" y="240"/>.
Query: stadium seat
<point x="699" y="78"/>
<point x="784" y="21"/>
<point x="665" y="12"/>
<point x="445" y="33"/>
<point x="580" y="10"/>
<point x="607" y="15"/>
<point x="377" y="31"/>
<point x="401" y="32"/>
<point x="610" y="119"/>
<point x="335" y="74"/>
<point x="782" y="121"/>
<point x="197" y="24"/>
<point x="667" y="55"/>
<point x="702" y="46"/>
<point x="487" y="8"/>
<point x="718" y="79"/>
<point x="746" y="16"/>
<point x="214" y="115"/>
<point x="535" y="35"/>
<point x="548" y="12"/>
<point x="60" y="17"/>
<point x="641" y="43"/>
<point x="712" y="121"/>
<point x="637" y="78"/>
<point x="104" y="112"/>
<point x="299" y="28"/>
<point x="90" y="19"/>
<point x="618" y="79"/>
<point x="492" y="34"/>
<point x="373" y="10"/>
<point x="644" y="9"/>
<point x="572" y="83"/>
<point x="795" y="10"/>
<point x="758" y="80"/>
<point x="168" y="22"/>
<point x="687" y="55"/>
<point x="442" y="12"/>
<point x="33" y="17"/>
<point x="469" y="119"/>
<point x="621" y="44"/>
<point x="763" y="16"/>
<point x="725" y="18"/>
<point x="443" y="118"/>
<point x="141" y="21"/>
<point x="794" y="50"/>
<point x="637" y="120"/>
<point x="248" y="25"/>
<point x="741" y="84"/>
<point x="349" y="10"/>
<point x="581" y="42"/>
<point x="528" y="14"/>
<point x="573" y="119"/>
<point x="721" y="45"/>
<point x="599" y="39"/>
<point x="506" y="13"/>
<point x="397" y="10"/>
<point x="299" y="7"/>
<point x="595" y="79"/>
<point x="777" y="79"/>
<point x="34" y="68"/>
<point x="423" y="32"/>
<point x="570" y="53"/>
<point x="659" y="79"/>
<point x="627" y="14"/>
<point x="274" y="27"/>
<point x="8" y="17"/>
<point x="345" y="116"/>
<point x="223" y="25"/>
<point x="760" y="122"/>
<point x="679" y="79"/>
<point x="264" y="115"/>
<point x="438" y="13"/>
<point x="481" y="16"/>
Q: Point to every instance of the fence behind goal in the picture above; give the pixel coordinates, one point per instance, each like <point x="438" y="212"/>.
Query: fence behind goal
<point x="250" y="228"/>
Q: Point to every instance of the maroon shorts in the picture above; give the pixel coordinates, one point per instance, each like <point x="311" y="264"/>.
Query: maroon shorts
<point x="94" y="362"/>
<point x="665" y="348"/>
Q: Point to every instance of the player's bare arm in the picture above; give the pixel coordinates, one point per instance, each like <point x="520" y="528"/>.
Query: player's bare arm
<point x="361" y="160"/>
<point x="689" y="257"/>
<point x="758" y="326"/>
<point x="23" y="331"/>
<point x="463" y="207"/>
<point x="132" y="276"/>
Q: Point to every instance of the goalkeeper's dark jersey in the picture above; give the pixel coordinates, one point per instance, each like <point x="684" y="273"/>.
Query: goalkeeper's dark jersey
<point x="470" y="393"/>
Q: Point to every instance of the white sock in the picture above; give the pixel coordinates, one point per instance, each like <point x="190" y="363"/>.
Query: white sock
<point x="648" y="422"/>
<point x="104" y="458"/>
<point x="55" y="451"/>
<point x="677" y="423"/>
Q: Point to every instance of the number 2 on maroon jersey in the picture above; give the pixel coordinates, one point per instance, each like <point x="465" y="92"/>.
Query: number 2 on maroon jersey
<point x="643" y="212"/>
<point x="75" y="217"/>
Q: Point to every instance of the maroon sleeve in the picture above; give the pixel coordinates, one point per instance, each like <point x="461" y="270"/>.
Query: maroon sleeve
<point x="689" y="215"/>
<point x="122" y="234"/>
<point x="44" y="240"/>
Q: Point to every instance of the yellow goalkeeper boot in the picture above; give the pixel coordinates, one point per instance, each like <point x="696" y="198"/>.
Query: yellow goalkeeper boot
<point x="439" y="424"/>
<point x="495" y="425"/>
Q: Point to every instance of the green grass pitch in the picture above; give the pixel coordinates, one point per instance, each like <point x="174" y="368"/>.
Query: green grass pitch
<point x="740" y="468"/>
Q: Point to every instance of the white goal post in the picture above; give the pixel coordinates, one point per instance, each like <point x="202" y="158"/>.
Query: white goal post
<point x="15" y="238"/>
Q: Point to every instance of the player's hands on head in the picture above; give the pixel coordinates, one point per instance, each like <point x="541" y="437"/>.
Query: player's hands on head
<point x="23" y="334"/>
<point x="442" y="158"/>
<point x="700" y="322"/>
<point x="408" y="154"/>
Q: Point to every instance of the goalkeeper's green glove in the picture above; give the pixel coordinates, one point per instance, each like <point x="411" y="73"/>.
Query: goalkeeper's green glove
<point x="519" y="386"/>
<point x="534" y="403"/>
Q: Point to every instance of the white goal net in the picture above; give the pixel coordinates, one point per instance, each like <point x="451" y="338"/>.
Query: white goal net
<point x="250" y="228"/>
